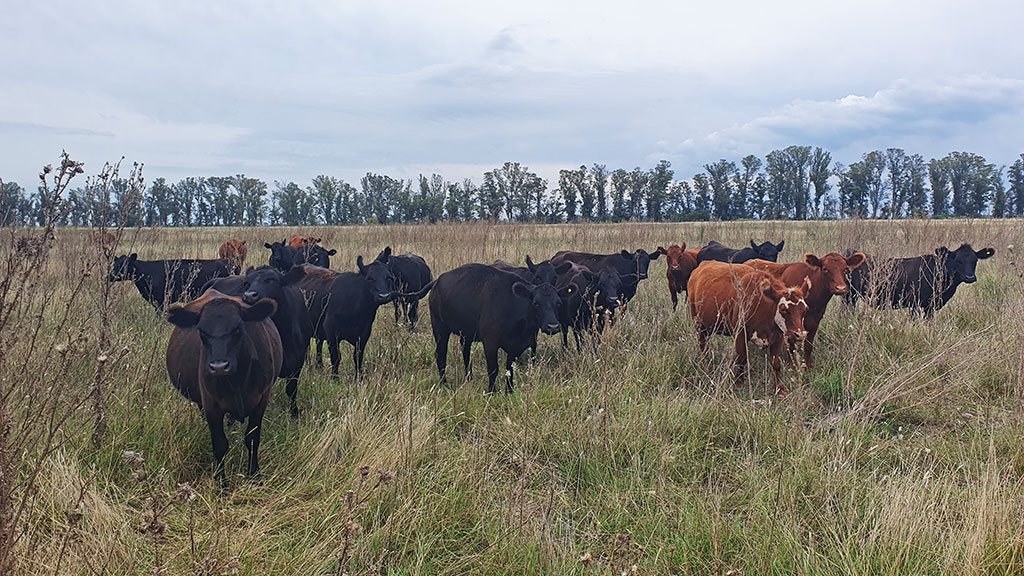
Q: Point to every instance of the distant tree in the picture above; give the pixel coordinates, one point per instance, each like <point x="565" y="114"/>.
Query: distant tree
<point x="1016" y="180"/>
<point x="588" y="198"/>
<point x="720" y="179"/>
<point x="325" y="192"/>
<point x="743" y="203"/>
<point x="938" y="176"/>
<point x="1001" y="201"/>
<point x="599" y="184"/>
<point x="819" y="172"/>
<point x="381" y="194"/>
<point x="13" y="204"/>
<point x="293" y="206"/>
<point x="620" y="188"/>
<point x="159" y="205"/>
<point x="188" y="195"/>
<point x="517" y="187"/>
<point x="570" y="186"/>
<point x="916" y="194"/>
<point x="638" y="182"/>
<point x="874" y="165"/>
<point x="251" y="194"/>
<point x="491" y="199"/>
<point x="853" y="189"/>
<point x="896" y="161"/>
<point x="701" y="193"/>
<point x="350" y="204"/>
<point x="431" y="198"/>
<point x="659" y="179"/>
<point x="461" y="203"/>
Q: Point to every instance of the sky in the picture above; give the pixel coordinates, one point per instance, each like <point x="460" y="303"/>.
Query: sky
<point x="285" y="91"/>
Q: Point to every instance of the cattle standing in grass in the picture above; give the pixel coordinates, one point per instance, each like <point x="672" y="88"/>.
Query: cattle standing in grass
<point x="681" y="263"/>
<point x="291" y="317"/>
<point x="282" y="255"/>
<point x="234" y="251"/>
<point x="315" y="287"/>
<point x="543" y="273"/>
<point x="313" y="254"/>
<point x="300" y="241"/>
<point x="632" y="267"/>
<point x="161" y="281"/>
<point x="352" y="308"/>
<point x="925" y="282"/>
<point x="104" y="239"/>
<point x="225" y="355"/>
<point x="586" y="297"/>
<point x="719" y="253"/>
<point x="480" y="303"/>
<point x="737" y="300"/>
<point x="410" y="273"/>
<point x="827" y="276"/>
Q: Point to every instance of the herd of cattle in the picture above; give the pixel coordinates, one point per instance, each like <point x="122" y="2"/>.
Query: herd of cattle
<point x="237" y="333"/>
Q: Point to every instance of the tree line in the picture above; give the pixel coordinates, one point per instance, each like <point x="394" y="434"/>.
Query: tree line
<point x="796" y="183"/>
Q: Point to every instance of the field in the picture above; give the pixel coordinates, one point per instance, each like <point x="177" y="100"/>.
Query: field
<point x="901" y="453"/>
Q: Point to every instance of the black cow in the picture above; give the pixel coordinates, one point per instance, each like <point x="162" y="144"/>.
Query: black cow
<point x="586" y="295"/>
<point x="543" y="273"/>
<point x="167" y="281"/>
<point x="352" y="308"/>
<point x="225" y="355"/>
<point x="715" y="251"/>
<point x="315" y="287"/>
<point x="313" y="254"/>
<point x="291" y="317"/>
<point x="410" y="273"/>
<point x="483" y="304"/>
<point x="281" y="255"/>
<point x="920" y="283"/>
<point x="632" y="267"/>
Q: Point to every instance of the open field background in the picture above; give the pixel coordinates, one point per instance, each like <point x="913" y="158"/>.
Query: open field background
<point x="901" y="454"/>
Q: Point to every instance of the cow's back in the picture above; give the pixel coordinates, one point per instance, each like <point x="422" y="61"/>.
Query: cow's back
<point x="475" y="299"/>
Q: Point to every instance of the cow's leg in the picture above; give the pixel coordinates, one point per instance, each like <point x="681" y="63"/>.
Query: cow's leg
<point x="292" y="389"/>
<point x="441" y="350"/>
<point x="414" y="314"/>
<point x="215" y="422"/>
<point x="319" y="352"/>
<point x="774" y="355"/>
<point x="398" y="314"/>
<point x="508" y="377"/>
<point x="491" y="355"/>
<point x="565" y="336"/>
<point x="675" y="298"/>
<point x="252" y="438"/>
<point x="811" y="325"/>
<point x="740" y="364"/>
<point x="358" y="353"/>
<point x="332" y="347"/>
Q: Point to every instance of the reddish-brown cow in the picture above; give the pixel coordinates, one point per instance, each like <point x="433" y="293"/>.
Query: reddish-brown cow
<point x="302" y="241"/>
<point x="828" y="277"/>
<point x="681" y="263"/>
<point x="234" y="251"/>
<point x="737" y="300"/>
<point x="106" y="239"/>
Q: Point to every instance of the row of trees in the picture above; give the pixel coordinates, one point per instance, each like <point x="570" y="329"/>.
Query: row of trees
<point x="798" y="182"/>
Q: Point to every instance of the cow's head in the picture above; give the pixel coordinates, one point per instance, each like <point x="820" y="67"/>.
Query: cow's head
<point x="281" y="255"/>
<point x="123" y="268"/>
<point x="790" y="306"/>
<point x="962" y="263"/>
<point x="379" y="279"/>
<point x="220" y="323"/>
<point x="674" y="256"/>
<point x="545" y="272"/>
<point x="268" y="282"/>
<point x="609" y="286"/>
<point x="767" y="250"/>
<point x="834" y="267"/>
<point x="315" y="255"/>
<point x="544" y="304"/>
<point x="641" y="260"/>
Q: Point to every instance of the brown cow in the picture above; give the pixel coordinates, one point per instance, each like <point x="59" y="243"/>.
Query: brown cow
<point x="681" y="263"/>
<point x="234" y="251"/>
<point x="302" y="241"/>
<point x="735" y="299"/>
<point x="105" y="239"/>
<point x="828" y="277"/>
<point x="225" y="355"/>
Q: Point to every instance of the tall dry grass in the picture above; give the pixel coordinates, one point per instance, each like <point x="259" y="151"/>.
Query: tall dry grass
<point x="900" y="454"/>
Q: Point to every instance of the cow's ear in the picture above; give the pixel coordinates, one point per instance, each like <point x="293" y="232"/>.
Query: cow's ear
<point x="332" y="252"/>
<point x="656" y="254"/>
<point x="985" y="253"/>
<point x="267" y="245"/>
<point x="359" y="264"/>
<point x="243" y="242"/>
<point x="681" y="248"/>
<point x="805" y="288"/>
<point x="942" y="251"/>
<point x="133" y="257"/>
<point x="626" y="254"/>
<point x="563" y="268"/>
<point x="294" y="274"/>
<point x="855" y="260"/>
<point x="812" y="260"/>
<point x="780" y="245"/>
<point x="530" y="265"/>
<point x="661" y="249"/>
<point x="522" y="290"/>
<point x="259" y="311"/>
<point x="752" y="245"/>
<point x="182" y="317"/>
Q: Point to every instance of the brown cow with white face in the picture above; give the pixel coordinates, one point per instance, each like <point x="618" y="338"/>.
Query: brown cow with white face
<point x="749" y="304"/>
<point x="828" y="278"/>
<point x="681" y="263"/>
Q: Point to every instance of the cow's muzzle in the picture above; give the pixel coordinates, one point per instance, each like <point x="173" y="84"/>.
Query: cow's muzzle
<point x="554" y="328"/>
<point x="219" y="368"/>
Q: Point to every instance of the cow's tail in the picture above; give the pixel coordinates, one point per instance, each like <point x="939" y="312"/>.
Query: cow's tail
<point x="414" y="296"/>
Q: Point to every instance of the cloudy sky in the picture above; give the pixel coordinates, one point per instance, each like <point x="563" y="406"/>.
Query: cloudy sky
<point x="287" y="90"/>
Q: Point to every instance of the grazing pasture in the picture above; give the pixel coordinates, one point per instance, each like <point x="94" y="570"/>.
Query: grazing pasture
<point x="901" y="453"/>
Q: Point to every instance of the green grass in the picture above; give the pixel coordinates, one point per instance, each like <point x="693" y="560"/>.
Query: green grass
<point x="639" y="453"/>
